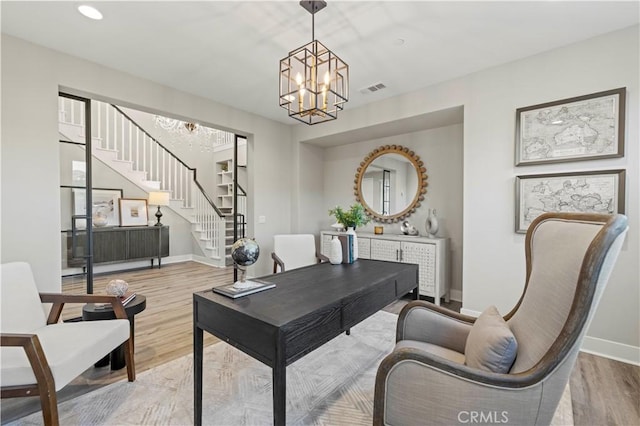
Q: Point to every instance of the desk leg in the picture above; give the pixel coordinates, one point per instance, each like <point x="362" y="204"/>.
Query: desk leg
<point x="416" y="294"/>
<point x="279" y="383"/>
<point x="197" y="374"/>
<point x="279" y="393"/>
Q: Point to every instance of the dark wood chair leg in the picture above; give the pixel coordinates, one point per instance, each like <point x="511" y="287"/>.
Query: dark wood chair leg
<point x="45" y="383"/>
<point x="49" y="403"/>
<point x="128" y="358"/>
<point x="348" y="332"/>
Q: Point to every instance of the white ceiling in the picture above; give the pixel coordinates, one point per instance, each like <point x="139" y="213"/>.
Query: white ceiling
<point x="229" y="51"/>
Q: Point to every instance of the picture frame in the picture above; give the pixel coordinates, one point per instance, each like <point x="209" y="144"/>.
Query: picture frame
<point x="104" y="202"/>
<point x="585" y="127"/>
<point x="134" y="212"/>
<point x="600" y="191"/>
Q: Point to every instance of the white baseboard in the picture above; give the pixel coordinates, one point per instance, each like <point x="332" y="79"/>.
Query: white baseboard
<point x="612" y="350"/>
<point x="177" y="259"/>
<point x="137" y="264"/>
<point x="595" y="346"/>
<point x="206" y="261"/>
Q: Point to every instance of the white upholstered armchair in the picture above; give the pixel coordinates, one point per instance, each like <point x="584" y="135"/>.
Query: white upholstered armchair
<point x="431" y="376"/>
<point x="39" y="355"/>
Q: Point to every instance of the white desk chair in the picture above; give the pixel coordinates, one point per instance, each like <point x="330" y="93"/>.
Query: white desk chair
<point x="292" y="251"/>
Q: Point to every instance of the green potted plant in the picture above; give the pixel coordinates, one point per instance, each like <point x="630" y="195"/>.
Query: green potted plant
<point x="351" y="218"/>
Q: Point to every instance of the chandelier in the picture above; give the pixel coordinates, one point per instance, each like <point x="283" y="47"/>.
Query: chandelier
<point x="183" y="127"/>
<point x="194" y="133"/>
<point x="314" y="82"/>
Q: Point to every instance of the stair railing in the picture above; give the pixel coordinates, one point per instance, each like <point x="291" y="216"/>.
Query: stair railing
<point x="241" y="214"/>
<point x="118" y="132"/>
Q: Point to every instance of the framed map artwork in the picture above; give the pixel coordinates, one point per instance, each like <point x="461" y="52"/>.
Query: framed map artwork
<point x="583" y="192"/>
<point x="581" y="128"/>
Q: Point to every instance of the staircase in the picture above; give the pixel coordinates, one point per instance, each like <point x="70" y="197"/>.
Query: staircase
<point x="121" y="144"/>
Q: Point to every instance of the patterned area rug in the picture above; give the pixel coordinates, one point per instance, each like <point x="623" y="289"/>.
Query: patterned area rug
<point x="332" y="385"/>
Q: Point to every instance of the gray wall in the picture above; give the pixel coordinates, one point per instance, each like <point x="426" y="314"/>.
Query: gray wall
<point x="493" y="263"/>
<point x="30" y="216"/>
<point x="288" y="181"/>
<point x="103" y="176"/>
<point x="441" y="151"/>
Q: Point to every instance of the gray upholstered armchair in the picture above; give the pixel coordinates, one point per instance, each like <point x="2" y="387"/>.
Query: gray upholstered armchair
<point x="427" y="379"/>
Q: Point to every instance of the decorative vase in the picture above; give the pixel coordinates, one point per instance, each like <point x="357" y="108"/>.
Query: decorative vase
<point x="351" y="230"/>
<point x="409" y="229"/>
<point x="100" y="219"/>
<point x="335" y="251"/>
<point x="431" y="224"/>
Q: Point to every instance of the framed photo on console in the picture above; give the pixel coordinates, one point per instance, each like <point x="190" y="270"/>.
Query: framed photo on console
<point x="104" y="203"/>
<point x="584" y="192"/>
<point x="582" y="128"/>
<point x="133" y="212"/>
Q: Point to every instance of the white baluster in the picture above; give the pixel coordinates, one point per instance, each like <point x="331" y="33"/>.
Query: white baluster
<point x="111" y="144"/>
<point x="149" y="148"/>
<point x="164" y="170"/>
<point x="176" y="184"/>
<point x="175" y="174"/>
<point x="83" y="120"/>
<point x="73" y="112"/>
<point x="99" y="109"/>
<point x="156" y="162"/>
<point x="61" y="113"/>
<point x="144" y="156"/>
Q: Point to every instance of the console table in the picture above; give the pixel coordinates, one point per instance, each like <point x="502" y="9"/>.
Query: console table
<point x="430" y="254"/>
<point x="121" y="244"/>
<point x="307" y="308"/>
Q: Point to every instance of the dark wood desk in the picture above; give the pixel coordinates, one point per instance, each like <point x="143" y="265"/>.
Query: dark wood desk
<point x="308" y="307"/>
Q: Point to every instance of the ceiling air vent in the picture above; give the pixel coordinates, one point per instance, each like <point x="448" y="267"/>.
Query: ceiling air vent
<point x="373" y="88"/>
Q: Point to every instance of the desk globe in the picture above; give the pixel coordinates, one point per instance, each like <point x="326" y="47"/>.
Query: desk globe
<point x="244" y="252"/>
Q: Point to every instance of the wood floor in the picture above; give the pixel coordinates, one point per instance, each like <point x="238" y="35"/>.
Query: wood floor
<point x="604" y="392"/>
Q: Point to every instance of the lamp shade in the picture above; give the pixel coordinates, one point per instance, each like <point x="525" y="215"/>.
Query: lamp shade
<point x="158" y="198"/>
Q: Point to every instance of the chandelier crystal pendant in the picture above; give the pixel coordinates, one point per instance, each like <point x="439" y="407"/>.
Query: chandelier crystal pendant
<point x="190" y="132"/>
<point x="314" y="81"/>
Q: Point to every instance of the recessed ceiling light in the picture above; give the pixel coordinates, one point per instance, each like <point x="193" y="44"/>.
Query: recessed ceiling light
<point x="90" y="12"/>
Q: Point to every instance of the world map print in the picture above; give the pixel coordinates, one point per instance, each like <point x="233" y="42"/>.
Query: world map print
<point x="584" y="194"/>
<point x="576" y="129"/>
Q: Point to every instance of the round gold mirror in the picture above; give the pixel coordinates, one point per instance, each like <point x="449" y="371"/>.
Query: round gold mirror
<point x="390" y="183"/>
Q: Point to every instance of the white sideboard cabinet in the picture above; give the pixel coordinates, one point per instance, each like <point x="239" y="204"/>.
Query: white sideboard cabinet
<point x="430" y="254"/>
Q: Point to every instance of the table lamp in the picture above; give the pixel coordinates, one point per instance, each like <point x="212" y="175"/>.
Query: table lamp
<point x="158" y="198"/>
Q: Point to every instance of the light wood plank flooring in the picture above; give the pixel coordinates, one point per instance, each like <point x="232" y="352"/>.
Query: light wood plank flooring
<point x="604" y="392"/>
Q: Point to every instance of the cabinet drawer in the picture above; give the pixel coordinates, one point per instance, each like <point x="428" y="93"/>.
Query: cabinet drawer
<point x="364" y="248"/>
<point x="423" y="255"/>
<point x="326" y="241"/>
<point x="385" y="250"/>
